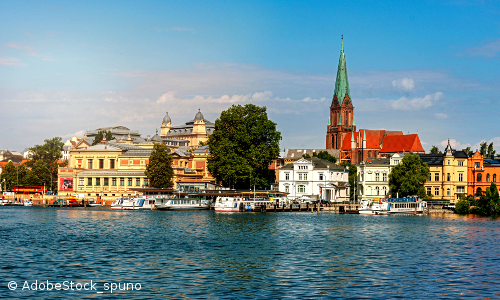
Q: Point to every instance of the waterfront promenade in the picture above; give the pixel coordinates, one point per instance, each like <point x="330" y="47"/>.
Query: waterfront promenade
<point x="205" y="254"/>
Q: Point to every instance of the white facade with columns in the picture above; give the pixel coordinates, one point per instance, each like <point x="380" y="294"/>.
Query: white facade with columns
<point x="315" y="178"/>
<point x="373" y="177"/>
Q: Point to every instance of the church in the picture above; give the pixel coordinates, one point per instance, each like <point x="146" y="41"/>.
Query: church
<point x="363" y="145"/>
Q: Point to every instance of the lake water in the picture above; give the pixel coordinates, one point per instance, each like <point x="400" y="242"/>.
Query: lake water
<point x="204" y="254"/>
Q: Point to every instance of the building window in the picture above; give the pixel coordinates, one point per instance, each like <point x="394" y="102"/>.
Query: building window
<point x="138" y="182"/>
<point x="476" y="165"/>
<point x="385" y="190"/>
<point x="101" y="163"/>
<point x="305" y="176"/>
<point x="430" y="176"/>
<point x="301" y="189"/>
<point x="436" y="177"/>
<point x="287" y="176"/>
<point x="111" y="163"/>
<point x="460" y="189"/>
<point x="320" y="176"/>
<point x="396" y="162"/>
<point x="113" y="181"/>
<point x="447" y="192"/>
<point x="460" y="177"/>
<point x="91" y="166"/>
<point x="106" y="181"/>
<point x="494" y="177"/>
<point x="448" y="177"/>
<point x="130" y="182"/>
<point x="429" y="191"/>
<point x="479" y="177"/>
<point x="448" y="162"/>
<point x="384" y="176"/>
<point x="487" y="177"/>
<point x="377" y="177"/>
<point x="89" y="181"/>
<point x="146" y="182"/>
<point x="287" y="189"/>
<point x="300" y="176"/>
<point x="122" y="181"/>
<point x="82" y="181"/>
<point x="98" y="181"/>
<point x="377" y="190"/>
<point x="460" y="163"/>
<point x="436" y="191"/>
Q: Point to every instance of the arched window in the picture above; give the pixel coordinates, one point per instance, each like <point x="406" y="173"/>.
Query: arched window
<point x="377" y="190"/>
<point x="385" y="190"/>
<point x="494" y="177"/>
<point x="447" y="192"/>
<point x="448" y="177"/>
<point x="479" y="177"/>
<point x="488" y="177"/>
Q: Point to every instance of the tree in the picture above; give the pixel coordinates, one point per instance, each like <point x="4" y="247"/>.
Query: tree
<point x="488" y="202"/>
<point x="44" y="162"/>
<point x="9" y="174"/>
<point x="243" y="145"/>
<point x="307" y="156"/>
<point x="325" y="155"/>
<point x="100" y="136"/>
<point x="408" y="177"/>
<point x="468" y="151"/>
<point x="483" y="147"/>
<point x="159" y="169"/>
<point x="352" y="176"/>
<point x="435" y="150"/>
<point x="491" y="152"/>
<point x="463" y="204"/>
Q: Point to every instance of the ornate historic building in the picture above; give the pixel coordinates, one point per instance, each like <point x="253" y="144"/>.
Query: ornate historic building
<point x="195" y="131"/>
<point x="365" y="144"/>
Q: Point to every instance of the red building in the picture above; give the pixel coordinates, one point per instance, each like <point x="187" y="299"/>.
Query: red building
<point x="481" y="173"/>
<point x="362" y="145"/>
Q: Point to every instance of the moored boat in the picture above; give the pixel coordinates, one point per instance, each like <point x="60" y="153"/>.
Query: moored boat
<point x="228" y="204"/>
<point x="392" y="206"/>
<point x="137" y="203"/>
<point x="182" y="204"/>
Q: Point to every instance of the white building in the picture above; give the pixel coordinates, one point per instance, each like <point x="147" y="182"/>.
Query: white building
<point x="373" y="177"/>
<point x="315" y="178"/>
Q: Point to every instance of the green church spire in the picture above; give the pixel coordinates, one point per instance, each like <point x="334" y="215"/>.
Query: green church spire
<point x="342" y="83"/>
<point x="340" y="120"/>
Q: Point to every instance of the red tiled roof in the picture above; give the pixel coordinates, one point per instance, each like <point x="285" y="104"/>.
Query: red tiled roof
<point x="373" y="138"/>
<point x="400" y="143"/>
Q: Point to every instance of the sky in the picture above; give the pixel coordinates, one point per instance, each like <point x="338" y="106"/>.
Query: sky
<point x="426" y="67"/>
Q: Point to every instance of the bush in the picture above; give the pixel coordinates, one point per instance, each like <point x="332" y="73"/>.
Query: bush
<point x="462" y="206"/>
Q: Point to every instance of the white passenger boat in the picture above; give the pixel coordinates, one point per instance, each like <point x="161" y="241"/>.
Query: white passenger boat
<point x="137" y="203"/>
<point x="228" y="204"/>
<point x="182" y="204"/>
<point x="391" y="206"/>
<point x="27" y="202"/>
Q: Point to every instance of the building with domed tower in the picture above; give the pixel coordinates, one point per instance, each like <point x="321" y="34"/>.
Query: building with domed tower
<point x="195" y="131"/>
<point x="363" y="145"/>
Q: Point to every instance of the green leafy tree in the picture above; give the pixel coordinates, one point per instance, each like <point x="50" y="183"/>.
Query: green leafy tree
<point x="159" y="169"/>
<point x="491" y="152"/>
<point x="463" y="204"/>
<point x="243" y="145"/>
<point x="483" y="148"/>
<point x="307" y="156"/>
<point x="353" y="170"/>
<point x="100" y="136"/>
<point x="488" y="202"/>
<point x="408" y="177"/>
<point x="325" y="155"/>
<point x="44" y="162"/>
<point x="9" y="175"/>
<point x="435" y="150"/>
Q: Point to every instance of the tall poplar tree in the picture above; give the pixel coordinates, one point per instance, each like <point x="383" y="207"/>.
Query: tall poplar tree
<point x="242" y="146"/>
<point x="159" y="169"/>
<point x="408" y="177"/>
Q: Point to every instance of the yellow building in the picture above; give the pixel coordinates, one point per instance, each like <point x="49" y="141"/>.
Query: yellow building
<point x="195" y="131"/>
<point x="110" y="169"/>
<point x="448" y="174"/>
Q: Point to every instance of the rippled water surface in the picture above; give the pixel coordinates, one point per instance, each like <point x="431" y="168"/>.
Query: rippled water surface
<point x="204" y="254"/>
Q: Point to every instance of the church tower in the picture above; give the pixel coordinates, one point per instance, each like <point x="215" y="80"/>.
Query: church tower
<point x="340" y="122"/>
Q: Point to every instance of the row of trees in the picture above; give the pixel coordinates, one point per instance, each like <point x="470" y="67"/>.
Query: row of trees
<point x="39" y="170"/>
<point x="486" y="203"/>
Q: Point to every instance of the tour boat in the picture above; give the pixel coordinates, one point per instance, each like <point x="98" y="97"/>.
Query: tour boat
<point x="392" y="206"/>
<point x="95" y="204"/>
<point x="138" y="203"/>
<point x="182" y="204"/>
<point x="27" y="202"/>
<point x="228" y="204"/>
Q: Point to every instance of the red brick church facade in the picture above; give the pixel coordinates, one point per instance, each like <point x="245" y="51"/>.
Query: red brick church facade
<point x="356" y="146"/>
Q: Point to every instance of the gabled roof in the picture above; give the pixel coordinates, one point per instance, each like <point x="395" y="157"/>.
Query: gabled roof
<point x="402" y="143"/>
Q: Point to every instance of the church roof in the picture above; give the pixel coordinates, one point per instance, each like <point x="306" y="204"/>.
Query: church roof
<point x="400" y="143"/>
<point x="342" y="82"/>
<point x="374" y="138"/>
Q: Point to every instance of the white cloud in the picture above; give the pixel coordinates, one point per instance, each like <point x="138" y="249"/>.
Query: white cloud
<point x="11" y="61"/>
<point x="441" y="116"/>
<point x="489" y="50"/>
<point x="404" y="84"/>
<point x="78" y="134"/>
<point x="454" y="144"/>
<point x="30" y="50"/>
<point x="416" y="103"/>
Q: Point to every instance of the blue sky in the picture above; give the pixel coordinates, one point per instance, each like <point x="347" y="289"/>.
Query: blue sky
<point x="431" y="67"/>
